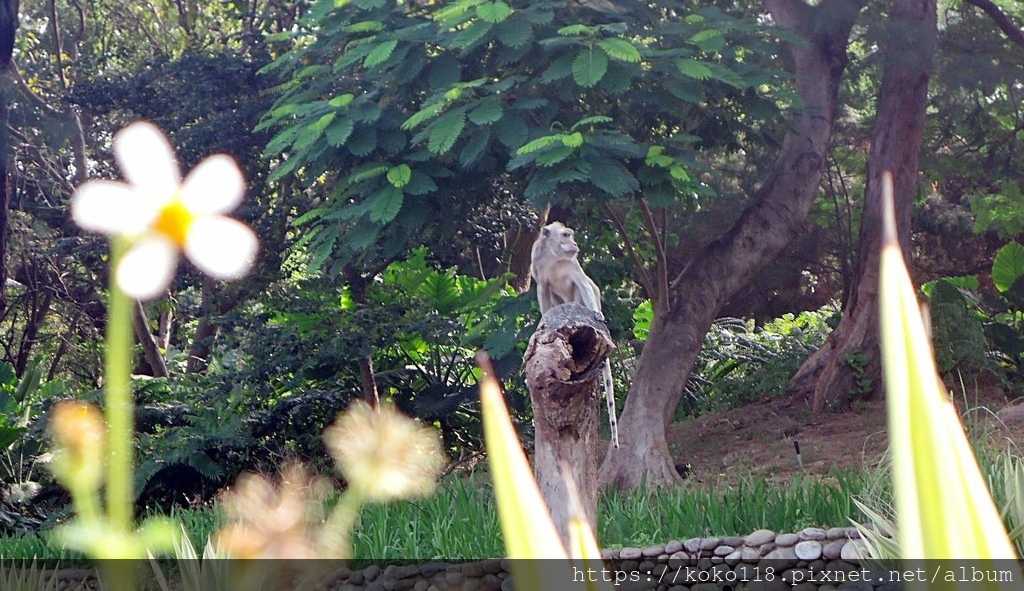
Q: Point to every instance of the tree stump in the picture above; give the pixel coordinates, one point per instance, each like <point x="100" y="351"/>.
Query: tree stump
<point x="564" y="361"/>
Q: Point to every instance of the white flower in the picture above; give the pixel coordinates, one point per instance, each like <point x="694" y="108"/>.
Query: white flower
<point x="163" y="215"/>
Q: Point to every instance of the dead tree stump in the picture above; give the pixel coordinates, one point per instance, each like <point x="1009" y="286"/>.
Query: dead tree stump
<point x="564" y="360"/>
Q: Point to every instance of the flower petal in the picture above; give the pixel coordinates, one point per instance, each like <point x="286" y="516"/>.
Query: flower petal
<point x="215" y="185"/>
<point x="111" y="207"/>
<point x="147" y="161"/>
<point x="222" y="247"/>
<point x="147" y="268"/>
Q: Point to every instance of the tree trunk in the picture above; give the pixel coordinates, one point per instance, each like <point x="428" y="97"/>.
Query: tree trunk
<point x="729" y="262"/>
<point x="8" y="29"/>
<point x="150" y="349"/>
<point x="564" y="363"/>
<point x="849" y="362"/>
<point x="206" y="331"/>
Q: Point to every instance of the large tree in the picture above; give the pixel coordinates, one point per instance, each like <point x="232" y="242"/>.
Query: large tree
<point x="685" y="311"/>
<point x="908" y="51"/>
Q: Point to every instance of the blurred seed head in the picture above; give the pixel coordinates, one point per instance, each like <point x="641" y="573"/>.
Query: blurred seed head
<point x="383" y="454"/>
<point x="268" y="520"/>
<point x="79" y="434"/>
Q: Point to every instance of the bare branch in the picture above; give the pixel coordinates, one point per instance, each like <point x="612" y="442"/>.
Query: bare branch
<point x="644" y="277"/>
<point x="1013" y="32"/>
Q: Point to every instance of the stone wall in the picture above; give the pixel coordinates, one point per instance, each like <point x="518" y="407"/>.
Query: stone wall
<point x="813" y="559"/>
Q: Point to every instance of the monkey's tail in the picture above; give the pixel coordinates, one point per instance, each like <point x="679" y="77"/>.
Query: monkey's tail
<point x="609" y="396"/>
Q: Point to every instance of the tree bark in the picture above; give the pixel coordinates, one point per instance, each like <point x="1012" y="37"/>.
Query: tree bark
<point x="150" y="349"/>
<point x="8" y="30"/>
<point x="828" y="376"/>
<point x="206" y="331"/>
<point x="729" y="262"/>
<point x="564" y="363"/>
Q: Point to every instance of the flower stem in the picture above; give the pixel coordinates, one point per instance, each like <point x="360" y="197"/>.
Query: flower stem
<point x="120" y="413"/>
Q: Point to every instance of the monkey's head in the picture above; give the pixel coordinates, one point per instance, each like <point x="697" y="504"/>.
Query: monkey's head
<point x="559" y="240"/>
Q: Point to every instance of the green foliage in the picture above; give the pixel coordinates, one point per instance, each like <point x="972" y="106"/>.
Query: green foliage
<point x="460" y="521"/>
<point x="739" y="362"/>
<point x="975" y="332"/>
<point x="463" y="92"/>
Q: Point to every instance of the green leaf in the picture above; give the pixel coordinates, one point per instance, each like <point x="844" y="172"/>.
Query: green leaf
<point x="577" y="31"/>
<point x="514" y="32"/>
<point x="539" y="143"/>
<point x="558" y="69"/>
<point x="593" y="119"/>
<point x="572" y="140"/>
<point x="620" y="49"/>
<point x="709" y="40"/>
<point x="943" y="507"/>
<point x="613" y="178"/>
<point x="475" y="147"/>
<point x="486" y="112"/>
<point x="446" y="130"/>
<point x="385" y="204"/>
<point x="338" y="131"/>
<point x="693" y="69"/>
<point x="399" y="176"/>
<point x="589" y="67"/>
<point x="427" y="112"/>
<point x="379" y="54"/>
<point x="554" y="155"/>
<point x="493" y="12"/>
<point x="1008" y="266"/>
<point x="363" y="141"/>
<point x="341" y="101"/>
<point x="511" y="130"/>
<point x="472" y="34"/>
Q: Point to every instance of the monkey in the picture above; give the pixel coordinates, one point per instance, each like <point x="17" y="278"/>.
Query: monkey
<point x="560" y="279"/>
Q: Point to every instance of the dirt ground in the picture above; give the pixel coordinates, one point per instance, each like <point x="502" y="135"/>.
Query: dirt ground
<point x="758" y="439"/>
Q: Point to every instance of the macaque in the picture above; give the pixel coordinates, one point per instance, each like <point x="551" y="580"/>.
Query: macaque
<point x="560" y="280"/>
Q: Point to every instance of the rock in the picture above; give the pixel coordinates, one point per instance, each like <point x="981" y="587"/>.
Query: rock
<point x="454" y="579"/>
<point x="678" y="560"/>
<point x="764" y="549"/>
<point x="734" y="541"/>
<point x="710" y="543"/>
<point x="833" y="549"/>
<point x="473" y="570"/>
<point x="490" y="583"/>
<point x="692" y="545"/>
<point x="759" y="537"/>
<point x="734" y="558"/>
<point x="631" y="554"/>
<point x="673" y="546"/>
<point x="704" y="587"/>
<point x="855" y="586"/>
<point x="836" y="533"/>
<point x="748" y="554"/>
<point x="723" y="550"/>
<point x="786" y="539"/>
<point x="786" y="557"/>
<point x="808" y="550"/>
<point x="432" y="568"/>
<point x="853" y="550"/>
<point x="813" y="533"/>
<point x="653" y="551"/>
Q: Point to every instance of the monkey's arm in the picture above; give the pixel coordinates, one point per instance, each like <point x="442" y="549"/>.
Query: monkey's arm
<point x="544" y="295"/>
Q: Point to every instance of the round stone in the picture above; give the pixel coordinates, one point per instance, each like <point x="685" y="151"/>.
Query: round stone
<point x="808" y="550"/>
<point x="759" y="537"/>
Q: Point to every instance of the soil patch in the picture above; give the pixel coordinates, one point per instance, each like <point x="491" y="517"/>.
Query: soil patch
<point x="758" y="439"/>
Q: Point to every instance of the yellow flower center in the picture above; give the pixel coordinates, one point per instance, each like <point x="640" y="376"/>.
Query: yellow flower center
<point x="174" y="221"/>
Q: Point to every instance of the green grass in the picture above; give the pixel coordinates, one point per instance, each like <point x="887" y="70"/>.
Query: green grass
<point x="460" y="521"/>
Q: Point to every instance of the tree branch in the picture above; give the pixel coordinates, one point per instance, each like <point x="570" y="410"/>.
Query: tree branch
<point x="644" y="278"/>
<point x="1013" y="32"/>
